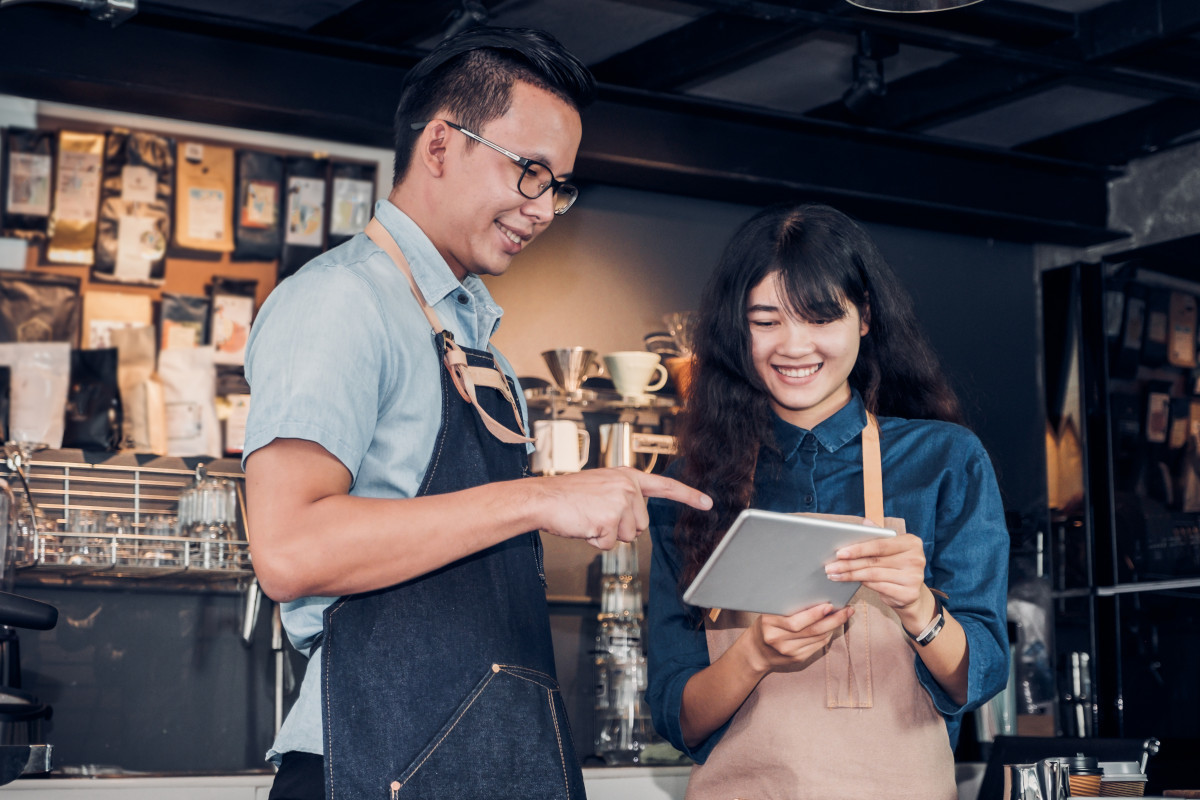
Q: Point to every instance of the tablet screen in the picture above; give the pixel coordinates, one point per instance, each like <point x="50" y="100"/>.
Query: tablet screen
<point x="774" y="563"/>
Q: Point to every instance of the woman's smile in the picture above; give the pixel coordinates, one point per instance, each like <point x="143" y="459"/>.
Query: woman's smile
<point x="804" y="364"/>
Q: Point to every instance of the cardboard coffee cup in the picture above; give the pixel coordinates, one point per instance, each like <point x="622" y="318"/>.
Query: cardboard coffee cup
<point x="1122" y="779"/>
<point x="1084" y="774"/>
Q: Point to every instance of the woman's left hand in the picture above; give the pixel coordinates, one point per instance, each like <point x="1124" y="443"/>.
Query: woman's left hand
<point x="894" y="567"/>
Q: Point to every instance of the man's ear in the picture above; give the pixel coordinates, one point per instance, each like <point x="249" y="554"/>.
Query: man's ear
<point x="431" y="147"/>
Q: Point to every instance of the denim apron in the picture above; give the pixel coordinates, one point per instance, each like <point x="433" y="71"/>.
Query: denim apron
<point x="444" y="686"/>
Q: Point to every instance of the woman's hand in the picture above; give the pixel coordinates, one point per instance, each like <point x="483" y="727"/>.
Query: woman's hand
<point x="895" y="568"/>
<point x="779" y="643"/>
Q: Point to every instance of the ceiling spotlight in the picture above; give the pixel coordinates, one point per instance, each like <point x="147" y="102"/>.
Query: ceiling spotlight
<point x="868" y="84"/>
<point x="911" y="6"/>
<point x="468" y="15"/>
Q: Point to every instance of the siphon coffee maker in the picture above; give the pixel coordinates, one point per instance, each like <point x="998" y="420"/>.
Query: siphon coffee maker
<point x="622" y="720"/>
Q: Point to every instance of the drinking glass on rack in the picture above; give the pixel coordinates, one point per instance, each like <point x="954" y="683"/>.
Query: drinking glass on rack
<point x="37" y="541"/>
<point x="162" y="550"/>
<point x="80" y="544"/>
<point x="32" y="524"/>
<point x="121" y="548"/>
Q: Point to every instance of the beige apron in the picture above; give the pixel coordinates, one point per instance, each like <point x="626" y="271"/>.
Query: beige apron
<point x="854" y="722"/>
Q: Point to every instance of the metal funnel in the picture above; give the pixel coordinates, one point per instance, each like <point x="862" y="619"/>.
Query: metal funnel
<point x="570" y="366"/>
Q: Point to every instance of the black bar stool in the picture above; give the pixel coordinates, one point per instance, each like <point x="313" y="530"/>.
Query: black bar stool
<point x="16" y="706"/>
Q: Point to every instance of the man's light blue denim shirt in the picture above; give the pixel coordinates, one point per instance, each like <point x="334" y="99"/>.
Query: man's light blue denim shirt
<point x="341" y="355"/>
<point x="936" y="476"/>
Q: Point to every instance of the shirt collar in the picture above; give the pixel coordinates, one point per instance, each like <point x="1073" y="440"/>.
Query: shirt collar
<point x="430" y="271"/>
<point x="832" y="433"/>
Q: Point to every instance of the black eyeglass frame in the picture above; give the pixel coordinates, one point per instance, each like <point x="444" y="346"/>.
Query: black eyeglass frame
<point x="571" y="192"/>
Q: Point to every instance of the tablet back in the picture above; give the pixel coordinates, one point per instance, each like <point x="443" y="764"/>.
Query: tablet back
<point x="774" y="563"/>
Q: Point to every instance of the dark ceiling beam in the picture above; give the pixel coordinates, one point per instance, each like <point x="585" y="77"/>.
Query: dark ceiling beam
<point x="1123" y="25"/>
<point x="1179" y="56"/>
<point x="394" y="23"/>
<point x="176" y="19"/>
<point x="969" y="85"/>
<point x="713" y="44"/>
<point x="669" y="144"/>
<point x="922" y="35"/>
<point x="1117" y="140"/>
<point x="56" y="53"/>
<point x="939" y="94"/>
<point x="1011" y="22"/>
<point x="640" y="140"/>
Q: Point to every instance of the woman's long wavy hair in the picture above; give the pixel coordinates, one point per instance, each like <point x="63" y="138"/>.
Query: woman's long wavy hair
<point x="825" y="263"/>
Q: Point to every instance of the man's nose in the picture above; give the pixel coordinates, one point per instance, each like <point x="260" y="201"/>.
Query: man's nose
<point x="541" y="207"/>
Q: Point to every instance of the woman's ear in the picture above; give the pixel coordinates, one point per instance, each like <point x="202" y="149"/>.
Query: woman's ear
<point x="865" y="319"/>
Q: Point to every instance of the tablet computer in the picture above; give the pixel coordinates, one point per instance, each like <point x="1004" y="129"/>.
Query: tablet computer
<point x="774" y="563"/>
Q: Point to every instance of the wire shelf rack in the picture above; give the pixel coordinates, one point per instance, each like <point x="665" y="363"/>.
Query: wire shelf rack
<point x="117" y="520"/>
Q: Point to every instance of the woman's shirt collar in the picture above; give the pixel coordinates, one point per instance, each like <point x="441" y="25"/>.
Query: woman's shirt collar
<point x="832" y="433"/>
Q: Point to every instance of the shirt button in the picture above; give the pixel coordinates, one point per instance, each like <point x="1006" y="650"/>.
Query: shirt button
<point x="808" y="499"/>
<point x="463" y="299"/>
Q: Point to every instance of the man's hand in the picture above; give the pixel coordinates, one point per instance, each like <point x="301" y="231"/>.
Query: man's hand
<point x="606" y="506"/>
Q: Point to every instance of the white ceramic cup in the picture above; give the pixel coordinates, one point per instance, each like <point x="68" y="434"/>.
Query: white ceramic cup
<point x="560" y="445"/>
<point x="632" y="372"/>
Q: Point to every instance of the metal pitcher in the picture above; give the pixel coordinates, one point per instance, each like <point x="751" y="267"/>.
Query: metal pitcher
<point x="1021" y="782"/>
<point x="1052" y="776"/>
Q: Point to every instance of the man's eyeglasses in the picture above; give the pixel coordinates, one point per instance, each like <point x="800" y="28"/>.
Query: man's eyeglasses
<point x="535" y="178"/>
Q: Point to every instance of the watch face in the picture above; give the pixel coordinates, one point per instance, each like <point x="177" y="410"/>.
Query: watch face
<point x="931" y="632"/>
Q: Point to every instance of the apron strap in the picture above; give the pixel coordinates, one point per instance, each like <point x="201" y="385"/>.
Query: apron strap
<point x="872" y="471"/>
<point x="464" y="376"/>
<point x="873" y="510"/>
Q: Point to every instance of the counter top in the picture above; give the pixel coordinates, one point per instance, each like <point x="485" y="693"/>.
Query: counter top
<point x="601" y="783"/>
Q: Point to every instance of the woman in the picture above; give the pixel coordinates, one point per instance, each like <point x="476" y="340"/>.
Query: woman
<point x="804" y="336"/>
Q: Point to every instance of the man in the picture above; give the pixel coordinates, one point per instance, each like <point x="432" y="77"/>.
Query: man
<point x="388" y="505"/>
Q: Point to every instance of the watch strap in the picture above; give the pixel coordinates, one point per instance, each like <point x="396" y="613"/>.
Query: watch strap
<point x="935" y="625"/>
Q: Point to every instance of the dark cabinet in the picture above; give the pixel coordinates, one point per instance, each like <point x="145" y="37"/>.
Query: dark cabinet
<point x="1123" y="429"/>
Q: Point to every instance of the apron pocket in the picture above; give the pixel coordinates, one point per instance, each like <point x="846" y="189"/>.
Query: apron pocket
<point x="848" y="663"/>
<point x="509" y="737"/>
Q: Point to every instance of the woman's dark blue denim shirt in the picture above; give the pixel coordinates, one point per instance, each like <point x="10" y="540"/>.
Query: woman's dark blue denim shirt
<point x="936" y="476"/>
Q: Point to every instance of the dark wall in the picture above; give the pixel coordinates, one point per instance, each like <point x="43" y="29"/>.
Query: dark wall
<point x="153" y="681"/>
<point x="978" y="301"/>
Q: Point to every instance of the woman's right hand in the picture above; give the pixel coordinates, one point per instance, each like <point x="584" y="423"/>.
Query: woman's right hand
<point x="782" y="643"/>
<point x="771" y="644"/>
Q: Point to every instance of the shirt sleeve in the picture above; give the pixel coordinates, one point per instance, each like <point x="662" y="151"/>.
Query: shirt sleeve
<point x="315" y="364"/>
<point x="677" y="647"/>
<point x="970" y="564"/>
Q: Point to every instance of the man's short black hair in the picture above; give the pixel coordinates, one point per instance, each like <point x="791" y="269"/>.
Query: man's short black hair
<point x="471" y="75"/>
